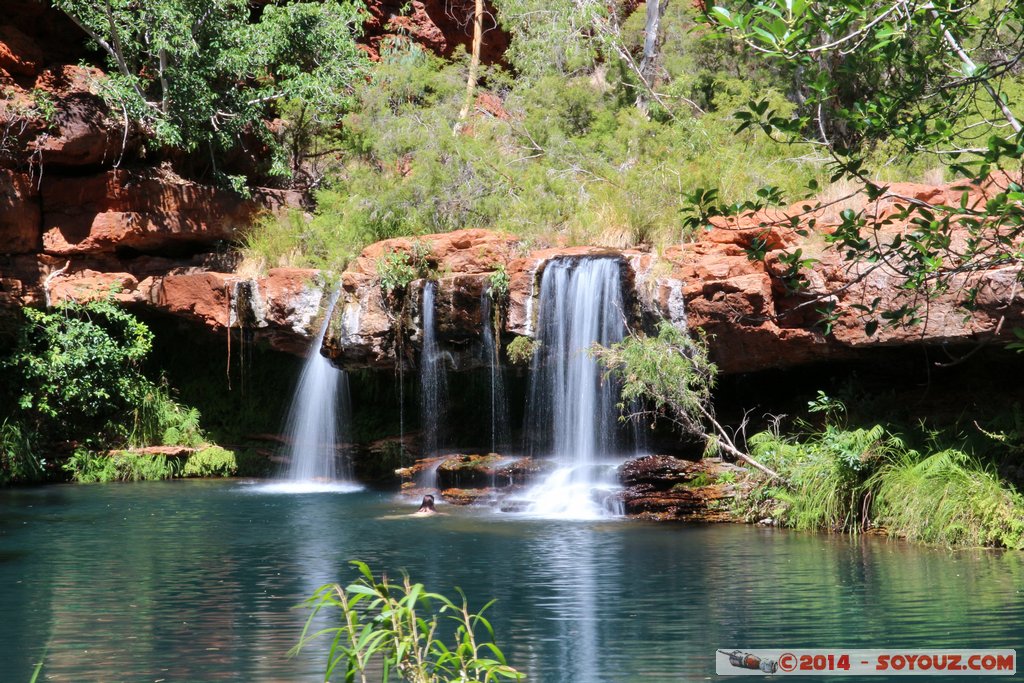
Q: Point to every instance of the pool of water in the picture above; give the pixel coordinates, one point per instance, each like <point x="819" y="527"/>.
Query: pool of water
<point x="197" y="581"/>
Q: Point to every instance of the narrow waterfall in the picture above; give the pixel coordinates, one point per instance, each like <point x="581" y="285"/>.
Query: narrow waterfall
<point x="572" y="414"/>
<point x="433" y="379"/>
<point x="496" y="382"/>
<point x="318" y="417"/>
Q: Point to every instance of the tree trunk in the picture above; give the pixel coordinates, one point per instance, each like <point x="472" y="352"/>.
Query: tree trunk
<point x="474" y="62"/>
<point x="653" y="37"/>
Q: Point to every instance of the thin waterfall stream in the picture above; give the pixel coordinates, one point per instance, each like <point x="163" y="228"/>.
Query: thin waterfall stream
<point x="433" y="386"/>
<point x="499" y="431"/>
<point x="317" y="422"/>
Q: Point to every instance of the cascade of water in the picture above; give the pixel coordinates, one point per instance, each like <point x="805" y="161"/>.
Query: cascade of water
<point x="318" y="416"/>
<point x="499" y="406"/>
<point x="571" y="413"/>
<point x="433" y="378"/>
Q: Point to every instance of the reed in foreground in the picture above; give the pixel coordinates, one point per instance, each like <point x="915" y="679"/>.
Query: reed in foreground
<point x="398" y="630"/>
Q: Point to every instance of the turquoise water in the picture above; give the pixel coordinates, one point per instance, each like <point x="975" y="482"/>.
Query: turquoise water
<point x="196" y="581"/>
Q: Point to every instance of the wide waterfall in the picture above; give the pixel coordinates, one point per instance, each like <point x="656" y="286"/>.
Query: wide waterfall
<point x="317" y="421"/>
<point x="496" y="382"/>
<point x="572" y="414"/>
<point x="433" y="378"/>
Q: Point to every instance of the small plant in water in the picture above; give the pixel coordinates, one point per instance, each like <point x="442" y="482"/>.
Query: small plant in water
<point x="393" y="628"/>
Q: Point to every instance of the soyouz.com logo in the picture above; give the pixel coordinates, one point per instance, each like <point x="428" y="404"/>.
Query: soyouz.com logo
<point x="738" y="662"/>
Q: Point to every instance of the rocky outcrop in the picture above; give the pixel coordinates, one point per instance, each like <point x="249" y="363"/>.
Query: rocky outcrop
<point x="662" y="487"/>
<point x="755" y="322"/>
<point x="84" y="215"/>
<point x="144" y="211"/>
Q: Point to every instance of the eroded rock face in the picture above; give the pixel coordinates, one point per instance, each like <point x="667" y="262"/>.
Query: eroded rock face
<point x="145" y="210"/>
<point x="20" y="213"/>
<point x="755" y="323"/>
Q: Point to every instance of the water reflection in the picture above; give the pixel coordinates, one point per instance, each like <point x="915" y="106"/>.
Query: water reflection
<point x="196" y="582"/>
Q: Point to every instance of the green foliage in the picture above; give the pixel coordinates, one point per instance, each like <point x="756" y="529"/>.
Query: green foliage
<point x="670" y="373"/>
<point x="932" y="81"/>
<point x="20" y="459"/>
<point x="292" y="239"/>
<point x="947" y="498"/>
<point x="212" y="461"/>
<point x="200" y="74"/>
<point x="699" y="480"/>
<point x="574" y="159"/>
<point x="79" y="365"/>
<point x="44" y="106"/>
<point x="520" y="350"/>
<point x="395" y="271"/>
<point x="498" y="283"/>
<point x="552" y="34"/>
<point x="826" y="474"/>
<point x="727" y="478"/>
<point x="396" y="629"/>
<point x="159" y="419"/>
<point x="86" y="466"/>
<point x="77" y="378"/>
<point x="841" y="479"/>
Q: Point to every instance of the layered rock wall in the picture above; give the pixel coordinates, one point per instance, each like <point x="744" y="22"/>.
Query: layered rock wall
<point x="84" y="213"/>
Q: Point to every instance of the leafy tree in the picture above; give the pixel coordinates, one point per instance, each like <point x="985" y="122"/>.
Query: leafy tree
<point x="77" y="369"/>
<point x="670" y="377"/>
<point x="79" y="363"/>
<point x="199" y="75"/>
<point x="935" y="80"/>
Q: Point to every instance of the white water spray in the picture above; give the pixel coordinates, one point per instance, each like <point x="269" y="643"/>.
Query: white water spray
<point x="316" y="423"/>
<point x="572" y="415"/>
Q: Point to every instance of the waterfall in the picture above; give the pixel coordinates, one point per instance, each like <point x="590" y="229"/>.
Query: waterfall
<point x="496" y="383"/>
<point x="433" y="379"/>
<point x="572" y="414"/>
<point x="318" y="417"/>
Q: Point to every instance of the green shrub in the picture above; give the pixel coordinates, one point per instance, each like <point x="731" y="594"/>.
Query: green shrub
<point x="78" y="366"/>
<point x="20" y="460"/>
<point x="395" y="271"/>
<point x="499" y="283"/>
<point x="521" y="349"/>
<point x="76" y="373"/>
<point x="948" y="498"/>
<point x="852" y="479"/>
<point x="212" y="461"/>
<point x="826" y="474"/>
<point x="86" y="466"/>
<point x="160" y="420"/>
<point x="394" y="628"/>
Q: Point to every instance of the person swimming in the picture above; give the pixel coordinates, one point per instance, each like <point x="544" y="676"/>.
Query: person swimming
<point x="427" y="506"/>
